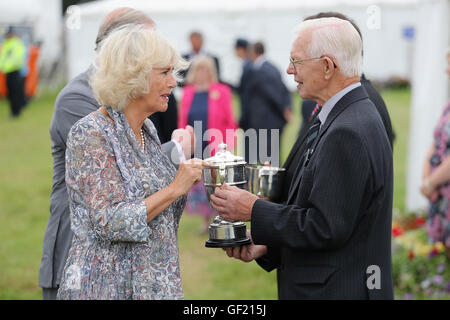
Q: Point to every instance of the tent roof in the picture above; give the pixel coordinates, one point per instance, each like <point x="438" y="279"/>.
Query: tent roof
<point x="182" y="6"/>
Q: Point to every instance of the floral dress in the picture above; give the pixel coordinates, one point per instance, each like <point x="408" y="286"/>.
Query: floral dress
<point x="115" y="253"/>
<point x="438" y="221"/>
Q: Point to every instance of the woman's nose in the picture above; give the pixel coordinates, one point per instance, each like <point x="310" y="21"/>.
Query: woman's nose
<point x="172" y="82"/>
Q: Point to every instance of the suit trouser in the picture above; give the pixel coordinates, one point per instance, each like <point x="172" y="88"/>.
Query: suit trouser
<point x="16" y="92"/>
<point x="49" y="293"/>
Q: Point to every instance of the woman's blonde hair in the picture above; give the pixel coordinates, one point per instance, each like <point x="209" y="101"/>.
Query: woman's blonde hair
<point x="125" y="60"/>
<point x="199" y="61"/>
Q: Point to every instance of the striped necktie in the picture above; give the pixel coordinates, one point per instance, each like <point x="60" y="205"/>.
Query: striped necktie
<point x="313" y="132"/>
<point x="311" y="137"/>
<point x="315" y="112"/>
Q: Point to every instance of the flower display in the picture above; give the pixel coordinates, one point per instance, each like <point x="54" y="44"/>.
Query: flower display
<point x="421" y="269"/>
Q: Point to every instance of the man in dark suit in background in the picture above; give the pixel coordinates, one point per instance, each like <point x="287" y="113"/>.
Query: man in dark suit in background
<point x="332" y="237"/>
<point x="166" y="122"/>
<point x="241" y="49"/>
<point x="269" y="107"/>
<point x="196" y="39"/>
<point x="75" y="101"/>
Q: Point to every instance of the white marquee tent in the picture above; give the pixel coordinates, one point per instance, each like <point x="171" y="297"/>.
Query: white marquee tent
<point x="273" y="22"/>
<point x="45" y="19"/>
<point x="430" y="89"/>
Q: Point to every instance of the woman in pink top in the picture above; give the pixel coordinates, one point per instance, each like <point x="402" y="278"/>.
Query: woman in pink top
<point x="207" y="105"/>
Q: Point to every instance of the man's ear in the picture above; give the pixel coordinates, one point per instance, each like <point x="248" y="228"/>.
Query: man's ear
<point x="328" y="67"/>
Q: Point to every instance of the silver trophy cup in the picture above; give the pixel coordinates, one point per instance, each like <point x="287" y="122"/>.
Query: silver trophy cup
<point x="265" y="181"/>
<point x="228" y="168"/>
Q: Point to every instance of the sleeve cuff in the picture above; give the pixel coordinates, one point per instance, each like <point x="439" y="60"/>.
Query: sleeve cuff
<point x="180" y="150"/>
<point x="262" y="222"/>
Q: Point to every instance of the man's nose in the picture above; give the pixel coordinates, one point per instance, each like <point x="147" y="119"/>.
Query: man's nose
<point x="290" y="69"/>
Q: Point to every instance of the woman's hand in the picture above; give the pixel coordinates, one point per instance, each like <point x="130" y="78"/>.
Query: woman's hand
<point x="189" y="173"/>
<point x="427" y="189"/>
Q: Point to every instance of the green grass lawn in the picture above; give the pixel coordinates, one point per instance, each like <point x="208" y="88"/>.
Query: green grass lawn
<point x="25" y="184"/>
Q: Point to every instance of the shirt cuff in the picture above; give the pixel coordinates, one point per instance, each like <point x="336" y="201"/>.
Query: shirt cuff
<point x="180" y="150"/>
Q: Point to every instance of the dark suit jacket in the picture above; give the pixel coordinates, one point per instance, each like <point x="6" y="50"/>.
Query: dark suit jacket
<point x="166" y="122"/>
<point x="378" y="101"/>
<point x="268" y="98"/>
<point x="307" y="107"/>
<point x="75" y="101"/>
<point x="337" y="221"/>
<point x="244" y="95"/>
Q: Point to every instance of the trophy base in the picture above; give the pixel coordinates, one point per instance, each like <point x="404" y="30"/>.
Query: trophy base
<point x="226" y="243"/>
<point x="226" y="234"/>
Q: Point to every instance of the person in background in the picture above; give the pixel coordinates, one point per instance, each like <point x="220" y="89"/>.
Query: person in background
<point x="207" y="103"/>
<point x="436" y="179"/>
<point x="75" y="101"/>
<point x="269" y="103"/>
<point x="241" y="50"/>
<point x="196" y="40"/>
<point x="12" y="61"/>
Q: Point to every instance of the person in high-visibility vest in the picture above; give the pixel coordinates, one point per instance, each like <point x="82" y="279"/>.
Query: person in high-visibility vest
<point x="12" y="59"/>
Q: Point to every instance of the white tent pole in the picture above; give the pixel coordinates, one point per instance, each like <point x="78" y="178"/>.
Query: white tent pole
<point x="429" y="91"/>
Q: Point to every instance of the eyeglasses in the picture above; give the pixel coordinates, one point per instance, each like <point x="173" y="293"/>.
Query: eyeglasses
<point x="293" y="62"/>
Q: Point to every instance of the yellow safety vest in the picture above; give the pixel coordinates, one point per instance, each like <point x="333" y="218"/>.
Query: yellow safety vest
<point x="12" y="55"/>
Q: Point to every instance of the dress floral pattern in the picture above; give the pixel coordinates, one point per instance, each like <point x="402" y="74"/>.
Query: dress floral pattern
<point x="115" y="253"/>
<point x="438" y="221"/>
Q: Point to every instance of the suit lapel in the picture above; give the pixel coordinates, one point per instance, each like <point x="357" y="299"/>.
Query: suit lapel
<point x="354" y="95"/>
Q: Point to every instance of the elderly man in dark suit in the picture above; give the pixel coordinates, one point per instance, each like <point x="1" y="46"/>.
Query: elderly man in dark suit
<point x="331" y="239"/>
<point x="310" y="109"/>
<point x="308" y="106"/>
<point x="75" y="101"/>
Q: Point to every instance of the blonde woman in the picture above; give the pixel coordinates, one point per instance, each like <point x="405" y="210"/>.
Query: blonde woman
<point x="125" y="195"/>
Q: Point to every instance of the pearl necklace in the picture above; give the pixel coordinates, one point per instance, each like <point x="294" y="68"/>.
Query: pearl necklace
<point x="142" y="141"/>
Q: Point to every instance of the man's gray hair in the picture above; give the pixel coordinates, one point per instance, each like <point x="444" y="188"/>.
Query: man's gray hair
<point x="120" y="17"/>
<point x="338" y="39"/>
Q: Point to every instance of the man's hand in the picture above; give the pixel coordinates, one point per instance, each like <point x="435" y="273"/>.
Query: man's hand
<point x="247" y="252"/>
<point x="232" y="203"/>
<point x="186" y="138"/>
